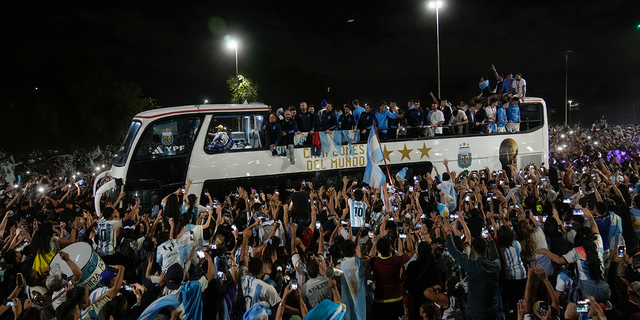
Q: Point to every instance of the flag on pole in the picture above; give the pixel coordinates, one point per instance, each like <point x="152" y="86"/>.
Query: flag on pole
<point x="373" y="175"/>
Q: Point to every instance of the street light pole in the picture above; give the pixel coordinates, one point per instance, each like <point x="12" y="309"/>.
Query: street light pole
<point x="233" y="44"/>
<point x="438" y="46"/>
<point x="236" y="61"/>
<point x="566" y="84"/>
<point x="437" y="5"/>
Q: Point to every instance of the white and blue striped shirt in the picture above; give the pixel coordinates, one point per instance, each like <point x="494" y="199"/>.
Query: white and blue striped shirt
<point x="357" y="210"/>
<point x="106" y="234"/>
<point x="514" y="268"/>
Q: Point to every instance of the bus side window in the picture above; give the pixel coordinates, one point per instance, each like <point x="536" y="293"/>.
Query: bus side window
<point x="531" y="116"/>
<point x="231" y="132"/>
<point x="171" y="137"/>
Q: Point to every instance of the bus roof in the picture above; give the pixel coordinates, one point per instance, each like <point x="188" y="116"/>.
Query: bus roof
<point x="200" y="108"/>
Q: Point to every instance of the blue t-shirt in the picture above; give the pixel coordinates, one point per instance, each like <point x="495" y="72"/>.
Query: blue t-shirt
<point x="513" y="113"/>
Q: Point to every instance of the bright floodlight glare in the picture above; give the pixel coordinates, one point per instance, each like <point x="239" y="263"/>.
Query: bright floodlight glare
<point x="233" y="44"/>
<point x="562" y="136"/>
<point x="41" y="189"/>
<point x="15" y="185"/>
<point x="206" y="101"/>
<point x="27" y="172"/>
<point x="103" y="165"/>
<point x="435" y="4"/>
<point x="570" y="102"/>
<point x="595" y="142"/>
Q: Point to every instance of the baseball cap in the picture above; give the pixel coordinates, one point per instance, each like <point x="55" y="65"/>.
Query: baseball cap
<point x="106" y="276"/>
<point x="175" y="274"/>
<point x="323" y="103"/>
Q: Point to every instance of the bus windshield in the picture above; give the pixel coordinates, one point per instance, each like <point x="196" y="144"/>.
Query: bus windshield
<point x="123" y="153"/>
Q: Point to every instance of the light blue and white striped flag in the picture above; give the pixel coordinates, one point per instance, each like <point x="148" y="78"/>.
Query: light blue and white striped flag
<point x="373" y="175"/>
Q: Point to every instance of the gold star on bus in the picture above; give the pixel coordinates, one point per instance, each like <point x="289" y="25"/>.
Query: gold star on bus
<point x="424" y="150"/>
<point x="405" y="152"/>
<point x="387" y="153"/>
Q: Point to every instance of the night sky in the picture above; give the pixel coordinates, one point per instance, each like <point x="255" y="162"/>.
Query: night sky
<point x="294" y="50"/>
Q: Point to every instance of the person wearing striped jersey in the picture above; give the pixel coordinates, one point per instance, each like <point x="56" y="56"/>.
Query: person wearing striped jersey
<point x="588" y="255"/>
<point x="168" y="252"/>
<point x="109" y="227"/>
<point x="356" y="205"/>
<point x="514" y="272"/>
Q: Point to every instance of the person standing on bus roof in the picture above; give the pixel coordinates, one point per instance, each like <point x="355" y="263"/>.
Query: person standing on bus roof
<point x="366" y="122"/>
<point x="329" y="122"/>
<point x="357" y="110"/>
<point x="382" y="117"/>
<point x="501" y="118"/>
<point x="513" y="115"/>
<point x="347" y="121"/>
<point x="289" y="128"/>
<point x="304" y="119"/>
<point x="314" y="118"/>
<point x="436" y="120"/>
<point x="415" y="120"/>
<point x="273" y="132"/>
<point x="490" y="111"/>
<point x="397" y="123"/>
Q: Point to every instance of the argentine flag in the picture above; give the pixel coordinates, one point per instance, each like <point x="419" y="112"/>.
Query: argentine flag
<point x="373" y="175"/>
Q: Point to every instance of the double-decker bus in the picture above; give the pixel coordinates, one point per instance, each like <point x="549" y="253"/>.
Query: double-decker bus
<point x="164" y="147"/>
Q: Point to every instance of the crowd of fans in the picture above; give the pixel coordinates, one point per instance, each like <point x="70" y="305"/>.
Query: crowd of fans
<point x="539" y="241"/>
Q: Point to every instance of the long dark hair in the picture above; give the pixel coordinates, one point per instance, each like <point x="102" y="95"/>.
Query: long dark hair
<point x="192" y="203"/>
<point x="42" y="239"/>
<point x="586" y="239"/>
<point x="505" y="237"/>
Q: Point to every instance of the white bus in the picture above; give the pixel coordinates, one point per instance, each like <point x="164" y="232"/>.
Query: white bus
<point x="164" y="147"/>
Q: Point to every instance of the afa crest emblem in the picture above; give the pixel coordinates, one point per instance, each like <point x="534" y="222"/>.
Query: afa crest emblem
<point x="464" y="156"/>
<point x="167" y="137"/>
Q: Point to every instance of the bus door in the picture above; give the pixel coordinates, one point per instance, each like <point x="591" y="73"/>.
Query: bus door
<point x="162" y="155"/>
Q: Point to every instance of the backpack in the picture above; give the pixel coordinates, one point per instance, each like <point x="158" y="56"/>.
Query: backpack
<point x="241" y="298"/>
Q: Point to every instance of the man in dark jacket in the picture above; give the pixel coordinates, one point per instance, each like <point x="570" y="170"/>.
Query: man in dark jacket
<point x="366" y="122"/>
<point x="289" y="128"/>
<point x="329" y="121"/>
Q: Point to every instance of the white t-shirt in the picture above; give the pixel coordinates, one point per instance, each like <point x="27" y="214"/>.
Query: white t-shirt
<point x="168" y="253"/>
<point x="258" y="290"/>
<point x="436" y="117"/>
<point x="490" y="112"/>
<point x="519" y="86"/>
<point x="461" y="117"/>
